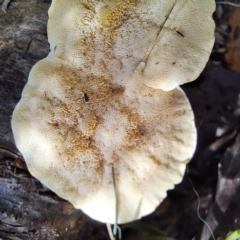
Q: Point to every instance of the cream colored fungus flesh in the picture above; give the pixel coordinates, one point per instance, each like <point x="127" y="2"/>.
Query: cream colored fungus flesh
<point x="107" y="96"/>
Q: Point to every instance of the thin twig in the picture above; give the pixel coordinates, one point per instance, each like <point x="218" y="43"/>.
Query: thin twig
<point x="110" y="231"/>
<point x="198" y="207"/>
<point x="116" y="228"/>
<point x="229" y="3"/>
<point x="116" y="198"/>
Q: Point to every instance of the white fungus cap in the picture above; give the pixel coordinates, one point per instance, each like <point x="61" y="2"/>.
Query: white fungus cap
<point x="71" y="144"/>
<point x="87" y="108"/>
<point x="168" y="42"/>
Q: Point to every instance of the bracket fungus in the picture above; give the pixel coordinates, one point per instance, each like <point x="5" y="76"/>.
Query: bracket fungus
<point x="107" y="96"/>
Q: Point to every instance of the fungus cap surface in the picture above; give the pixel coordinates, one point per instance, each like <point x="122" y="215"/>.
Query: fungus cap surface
<point x="167" y="42"/>
<point x="71" y="144"/>
<point x="86" y="108"/>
